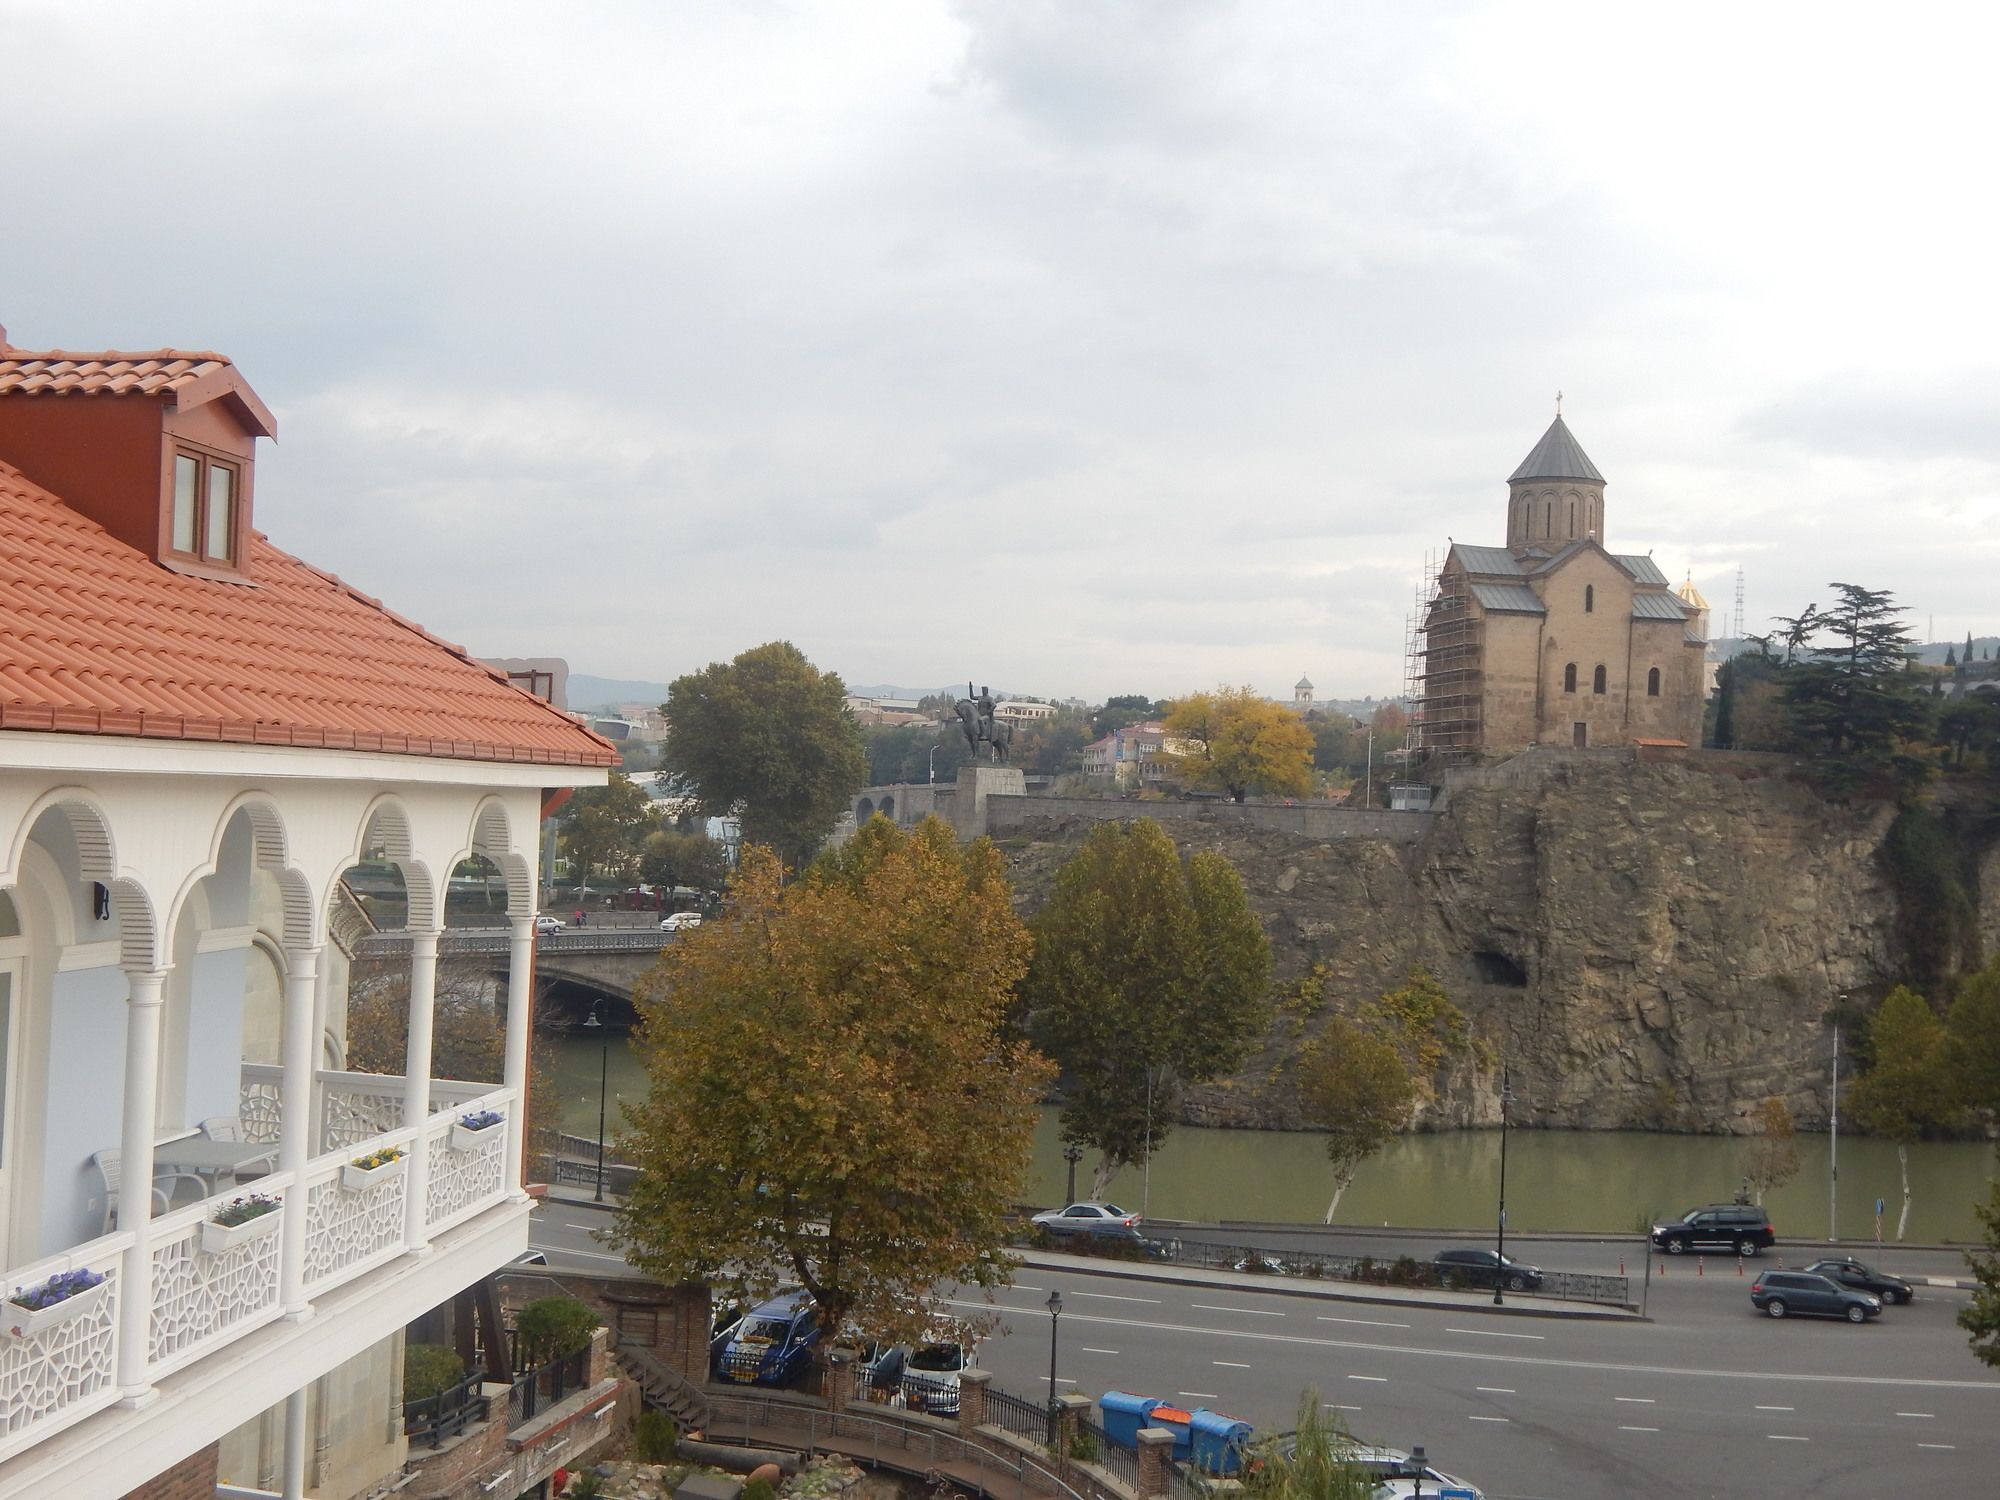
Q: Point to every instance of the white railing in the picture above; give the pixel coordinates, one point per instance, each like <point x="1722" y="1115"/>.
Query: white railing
<point x="205" y="1295"/>
<point x="208" y="1292"/>
<point x="354" y="1106"/>
<point x="64" y="1372"/>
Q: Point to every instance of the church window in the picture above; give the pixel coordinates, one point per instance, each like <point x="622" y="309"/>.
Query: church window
<point x="1653" y="683"/>
<point x="1569" y="678"/>
<point x="1589" y="598"/>
<point x="1572" y="518"/>
<point x="1548" y="511"/>
<point x="1597" y="680"/>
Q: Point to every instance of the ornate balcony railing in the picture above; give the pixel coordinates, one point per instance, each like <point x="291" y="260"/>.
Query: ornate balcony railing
<point x="55" y="1372"/>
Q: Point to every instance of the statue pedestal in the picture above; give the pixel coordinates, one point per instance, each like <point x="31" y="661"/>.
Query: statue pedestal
<point x="975" y="784"/>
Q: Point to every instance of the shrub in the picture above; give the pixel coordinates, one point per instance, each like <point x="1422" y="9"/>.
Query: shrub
<point x="553" y="1327"/>
<point x="654" y="1437"/>
<point x="242" y="1210"/>
<point x="759" y="1489"/>
<point x="429" y="1369"/>
<point x="1083" y="1448"/>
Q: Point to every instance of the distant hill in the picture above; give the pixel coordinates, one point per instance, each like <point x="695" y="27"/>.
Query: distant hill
<point x="587" y="692"/>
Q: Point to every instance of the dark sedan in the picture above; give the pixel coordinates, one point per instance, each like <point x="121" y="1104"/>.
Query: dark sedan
<point x="1855" y="1276"/>
<point x="1485" y="1268"/>
<point x="771" y="1344"/>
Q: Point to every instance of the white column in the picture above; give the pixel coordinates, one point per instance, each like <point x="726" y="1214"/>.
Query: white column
<point x="135" y="1187"/>
<point x="295" y="1113"/>
<point x="520" y="1011"/>
<point x="417" y="1086"/>
<point x="294" y="1477"/>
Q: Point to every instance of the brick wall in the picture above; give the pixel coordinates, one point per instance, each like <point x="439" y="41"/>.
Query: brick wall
<point x="193" y="1478"/>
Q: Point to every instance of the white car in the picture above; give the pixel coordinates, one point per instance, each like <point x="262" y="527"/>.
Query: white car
<point x="675" y="921"/>
<point x="1088" y="1218"/>
<point x="546" y="924"/>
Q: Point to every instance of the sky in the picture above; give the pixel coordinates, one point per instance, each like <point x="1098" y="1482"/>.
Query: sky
<point x="1080" y="348"/>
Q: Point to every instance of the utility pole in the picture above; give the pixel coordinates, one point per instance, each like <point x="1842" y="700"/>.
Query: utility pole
<point x="1833" y="1149"/>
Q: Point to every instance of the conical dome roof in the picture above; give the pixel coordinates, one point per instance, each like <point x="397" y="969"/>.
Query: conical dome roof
<point x="1557" y="456"/>
<point x="1690" y="595"/>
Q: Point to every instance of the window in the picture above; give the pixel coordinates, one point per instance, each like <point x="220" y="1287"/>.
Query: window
<point x="1569" y="677"/>
<point x="1653" y="683"/>
<point x="1579" y="736"/>
<point x="1572" y="518"/>
<point x="1589" y="598"/>
<point x="204" y="512"/>
<point x="1548" y="511"/>
<point x="1597" y="681"/>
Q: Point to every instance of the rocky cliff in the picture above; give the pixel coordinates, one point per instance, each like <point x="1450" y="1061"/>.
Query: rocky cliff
<point x="1653" y="946"/>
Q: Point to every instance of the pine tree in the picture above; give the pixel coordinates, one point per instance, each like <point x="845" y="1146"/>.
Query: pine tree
<point x="1855" y="698"/>
<point x="1951" y="656"/>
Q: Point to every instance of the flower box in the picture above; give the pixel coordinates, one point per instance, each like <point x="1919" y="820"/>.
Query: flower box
<point x="30" y="1322"/>
<point x="358" y="1179"/>
<point x="466" y="1137"/>
<point x="216" y="1239"/>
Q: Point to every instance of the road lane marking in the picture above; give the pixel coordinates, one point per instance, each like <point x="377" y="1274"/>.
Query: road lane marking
<point x="1016" y="1286"/>
<point x="1060" y="1380"/>
<point x="1637" y="1400"/>
<point x="1490" y="1333"/>
<point x="1228" y="1364"/>
<point x="1785" y="1437"/>
<point x="1200" y="1395"/>
<point x="1088" y="1350"/>
<point x="1336" y="1406"/>
<point x="1777" y="1408"/>
<point x="1378" y="1379"/>
<point x="1638" y="1429"/>
<point x="1948" y="1447"/>
<point x="1361" y="1322"/>
<point x="1259" y="1311"/>
<point x="1538" y="1361"/>
<point x="1490" y="1419"/>
<point x="563" y="1252"/>
<point x="1495" y="1390"/>
<point x="1104" y="1296"/>
<point x="1930" y="1414"/>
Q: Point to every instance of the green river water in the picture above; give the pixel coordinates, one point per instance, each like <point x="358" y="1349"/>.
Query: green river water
<point x="1556" y="1179"/>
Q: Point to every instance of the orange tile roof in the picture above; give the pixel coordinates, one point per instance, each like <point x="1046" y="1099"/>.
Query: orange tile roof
<point x="97" y="638"/>
<point x="58" y="372"/>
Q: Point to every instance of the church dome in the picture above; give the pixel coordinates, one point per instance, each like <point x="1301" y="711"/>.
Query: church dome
<point x="1690" y="595"/>
<point x="1557" y="456"/>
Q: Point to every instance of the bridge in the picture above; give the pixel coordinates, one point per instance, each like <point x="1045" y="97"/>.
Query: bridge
<point x="605" y="960"/>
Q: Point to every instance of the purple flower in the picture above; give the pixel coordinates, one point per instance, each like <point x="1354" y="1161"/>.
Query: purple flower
<point x="481" y="1119"/>
<point x="56" y="1289"/>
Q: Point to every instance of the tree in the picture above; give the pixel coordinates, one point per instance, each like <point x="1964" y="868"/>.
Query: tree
<point x="904" y="752"/>
<point x="603" y="828"/>
<point x="767" y="737"/>
<point x="1972" y="1038"/>
<point x="1240" y="743"/>
<point x="1855" y="699"/>
<point x="1950" y="657"/>
<point x="1772" y="1158"/>
<point x="1121" y="712"/>
<point x="1908" y="1092"/>
<point x="1053" y="746"/>
<point x="833" y="1101"/>
<point x="1981" y="1317"/>
<point x="1314" y="1462"/>
<point x="1355" y="1087"/>
<point x="1149" y="974"/>
<point x="669" y="858"/>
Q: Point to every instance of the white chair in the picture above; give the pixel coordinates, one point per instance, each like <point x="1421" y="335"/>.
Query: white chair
<point x="222" y="1128"/>
<point x="164" y="1185"/>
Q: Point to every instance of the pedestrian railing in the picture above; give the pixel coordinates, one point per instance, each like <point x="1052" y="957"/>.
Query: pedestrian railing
<point x="447" y="1414"/>
<point x="1023" y="1419"/>
<point x="546" y="1384"/>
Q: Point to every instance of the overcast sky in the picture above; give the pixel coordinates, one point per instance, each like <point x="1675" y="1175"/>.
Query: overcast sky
<point x="1077" y="347"/>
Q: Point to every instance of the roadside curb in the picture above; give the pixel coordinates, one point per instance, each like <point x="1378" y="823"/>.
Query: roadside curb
<point x="1325" y="1291"/>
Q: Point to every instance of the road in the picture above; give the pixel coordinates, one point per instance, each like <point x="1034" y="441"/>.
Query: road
<point x="1707" y="1399"/>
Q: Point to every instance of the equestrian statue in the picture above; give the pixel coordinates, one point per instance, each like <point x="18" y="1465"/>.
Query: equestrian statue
<point x="975" y="718"/>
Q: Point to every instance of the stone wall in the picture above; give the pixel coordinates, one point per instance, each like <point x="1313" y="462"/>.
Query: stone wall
<point x="1650" y="945"/>
<point x="1010" y="816"/>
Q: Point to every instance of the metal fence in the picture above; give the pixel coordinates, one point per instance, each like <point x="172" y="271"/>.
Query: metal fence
<point x="1568" y="1286"/>
<point x="1120" y="1462"/>
<point x="1011" y="1414"/>
<point x="447" y="1414"/>
<point x="542" y="1387"/>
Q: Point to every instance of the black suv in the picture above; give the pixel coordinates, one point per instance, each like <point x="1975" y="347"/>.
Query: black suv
<point x="1741" y="1227"/>
<point x="1781" y="1293"/>
<point x="1485" y="1268"/>
<point x="1852" y="1274"/>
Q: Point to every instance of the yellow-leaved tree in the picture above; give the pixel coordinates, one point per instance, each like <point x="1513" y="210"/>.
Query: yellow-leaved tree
<point x="834" y="1101"/>
<point x="1239" y="743"/>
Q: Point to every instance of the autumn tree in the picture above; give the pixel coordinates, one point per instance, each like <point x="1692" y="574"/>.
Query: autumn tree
<point x="1356" y="1089"/>
<point x="669" y="858"/>
<point x="1239" y="743"/>
<point x="766" y="737"/>
<point x="833" y="1100"/>
<point x="604" y="828"/>
<point x="1771" y="1159"/>
<point x="1972" y="1038"/>
<point x="1908" y="1092"/>
<point x="1149" y="974"/>
<point x="1981" y="1316"/>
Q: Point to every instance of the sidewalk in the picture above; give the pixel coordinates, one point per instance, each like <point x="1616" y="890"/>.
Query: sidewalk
<point x="1518" y="1304"/>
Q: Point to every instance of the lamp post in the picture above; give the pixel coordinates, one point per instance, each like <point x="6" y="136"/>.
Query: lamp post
<point x="1500" y="1265"/>
<point x="1055" y="1312"/>
<point x="934" y="765"/>
<point x="1417" y="1463"/>
<point x="1072" y="1153"/>
<point x="595" y="1023"/>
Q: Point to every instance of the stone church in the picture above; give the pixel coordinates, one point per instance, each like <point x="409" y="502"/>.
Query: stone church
<point x="1552" y="639"/>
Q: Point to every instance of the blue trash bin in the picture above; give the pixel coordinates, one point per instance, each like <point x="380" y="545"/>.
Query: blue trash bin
<point x="1124" y="1414"/>
<point x="1218" y="1441"/>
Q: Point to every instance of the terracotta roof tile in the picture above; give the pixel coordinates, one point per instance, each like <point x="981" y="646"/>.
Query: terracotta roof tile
<point x="96" y="638"/>
<point x="58" y="372"/>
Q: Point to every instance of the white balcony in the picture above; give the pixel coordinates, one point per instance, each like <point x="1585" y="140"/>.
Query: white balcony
<point x="217" y="1335"/>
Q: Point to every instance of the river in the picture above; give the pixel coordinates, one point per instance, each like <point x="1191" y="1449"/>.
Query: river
<point x="1556" y="1179"/>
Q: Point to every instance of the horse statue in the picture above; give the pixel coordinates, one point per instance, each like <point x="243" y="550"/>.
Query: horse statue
<point x="976" y="721"/>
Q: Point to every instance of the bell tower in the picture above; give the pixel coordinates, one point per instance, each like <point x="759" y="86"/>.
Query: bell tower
<point x="1556" y="496"/>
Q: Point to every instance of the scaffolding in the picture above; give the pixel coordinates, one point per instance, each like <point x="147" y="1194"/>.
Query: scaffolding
<point x="1443" y="667"/>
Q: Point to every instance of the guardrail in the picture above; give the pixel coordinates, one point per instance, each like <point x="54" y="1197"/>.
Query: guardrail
<point x="461" y="942"/>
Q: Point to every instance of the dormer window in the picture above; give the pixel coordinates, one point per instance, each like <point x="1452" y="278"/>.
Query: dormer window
<point x="204" y="515"/>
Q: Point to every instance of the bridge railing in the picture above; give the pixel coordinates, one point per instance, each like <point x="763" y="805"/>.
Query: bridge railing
<point x="486" y="940"/>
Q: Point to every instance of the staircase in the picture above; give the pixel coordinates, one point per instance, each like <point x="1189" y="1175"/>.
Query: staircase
<point x="662" y="1387"/>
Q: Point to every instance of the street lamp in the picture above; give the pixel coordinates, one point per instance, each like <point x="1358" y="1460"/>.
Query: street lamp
<point x="1072" y="1153"/>
<point x="1055" y="1311"/>
<point x="1500" y="1265"/>
<point x="934" y="765"/>
<point x="595" y="1023"/>
<point x="1417" y="1463"/>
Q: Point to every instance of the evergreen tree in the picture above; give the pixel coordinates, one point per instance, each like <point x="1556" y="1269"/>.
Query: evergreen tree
<point x="1967" y="658"/>
<point x="1854" y="699"/>
<point x="1951" y="656"/>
